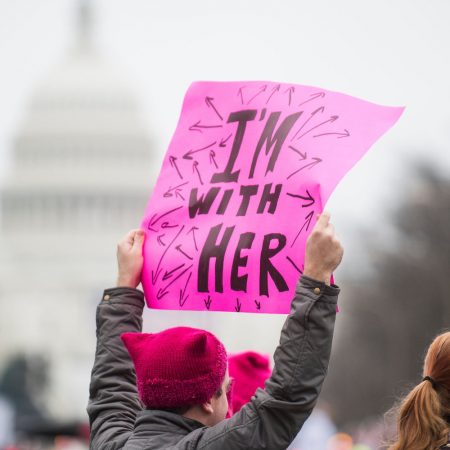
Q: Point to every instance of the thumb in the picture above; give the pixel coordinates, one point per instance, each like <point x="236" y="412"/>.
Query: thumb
<point x="139" y="238"/>
<point x="323" y="220"/>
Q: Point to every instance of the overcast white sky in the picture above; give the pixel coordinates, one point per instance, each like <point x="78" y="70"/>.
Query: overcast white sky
<point x="393" y="52"/>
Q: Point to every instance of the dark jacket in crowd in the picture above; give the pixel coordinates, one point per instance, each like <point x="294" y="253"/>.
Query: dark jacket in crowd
<point x="270" y="420"/>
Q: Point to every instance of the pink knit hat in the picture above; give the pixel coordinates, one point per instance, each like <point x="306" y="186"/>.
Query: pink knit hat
<point x="250" y="370"/>
<point x="177" y="367"/>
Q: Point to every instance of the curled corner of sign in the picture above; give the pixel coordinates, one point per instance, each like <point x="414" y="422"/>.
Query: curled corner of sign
<point x="397" y="112"/>
<point x="400" y="111"/>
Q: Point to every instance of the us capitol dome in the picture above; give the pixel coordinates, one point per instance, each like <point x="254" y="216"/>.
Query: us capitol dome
<point x="80" y="177"/>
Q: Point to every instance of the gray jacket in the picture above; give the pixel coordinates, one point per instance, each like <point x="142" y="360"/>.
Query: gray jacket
<point x="270" y="420"/>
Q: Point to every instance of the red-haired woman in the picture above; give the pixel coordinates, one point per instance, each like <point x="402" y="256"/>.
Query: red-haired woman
<point x="424" y="418"/>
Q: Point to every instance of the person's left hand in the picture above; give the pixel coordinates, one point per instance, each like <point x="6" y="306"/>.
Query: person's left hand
<point x="130" y="259"/>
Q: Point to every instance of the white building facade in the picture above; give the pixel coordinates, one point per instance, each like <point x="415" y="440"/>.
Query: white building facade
<point x="80" y="177"/>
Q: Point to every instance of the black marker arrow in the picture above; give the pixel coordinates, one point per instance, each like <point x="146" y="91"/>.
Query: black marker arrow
<point x="307" y="223"/>
<point x="178" y="247"/>
<point x="207" y="302"/>
<point x="241" y="93"/>
<point x="313" y="97"/>
<point x="167" y="275"/>
<point x="275" y="89"/>
<point x="195" y="169"/>
<point x="183" y="297"/>
<point x="161" y="293"/>
<point x="193" y="235"/>
<point x="155" y="274"/>
<point x="307" y="166"/>
<point x="165" y="225"/>
<point x="212" y="160"/>
<point x="340" y="135"/>
<point x="173" y="163"/>
<point x="330" y="120"/>
<point x="302" y="155"/>
<point x="238" y="305"/>
<point x="316" y="111"/>
<point x="164" y="290"/>
<point x="175" y="191"/>
<point x="155" y="219"/>
<point x="188" y="155"/>
<point x="210" y="104"/>
<point x="224" y="141"/>
<point x="160" y="241"/>
<point x="258" y="305"/>
<point x="198" y="127"/>
<point x="291" y="90"/>
<point x="262" y="89"/>
<point x="295" y="265"/>
<point x="309" y="198"/>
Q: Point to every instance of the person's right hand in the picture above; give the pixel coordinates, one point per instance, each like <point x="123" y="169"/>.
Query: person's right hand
<point x="130" y="259"/>
<point x="323" y="250"/>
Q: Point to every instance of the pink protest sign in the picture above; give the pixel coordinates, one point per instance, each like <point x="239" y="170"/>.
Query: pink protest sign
<point x="249" y="167"/>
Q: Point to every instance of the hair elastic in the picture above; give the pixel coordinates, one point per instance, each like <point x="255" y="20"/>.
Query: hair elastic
<point x="433" y="383"/>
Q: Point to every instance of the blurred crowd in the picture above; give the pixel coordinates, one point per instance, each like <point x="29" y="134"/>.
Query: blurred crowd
<point x="319" y="433"/>
<point x="24" y="426"/>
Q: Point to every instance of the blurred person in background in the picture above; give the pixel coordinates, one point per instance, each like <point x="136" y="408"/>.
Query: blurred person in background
<point x="6" y="423"/>
<point x="182" y="376"/>
<point x="249" y="371"/>
<point x="316" y="432"/>
<point x="423" y="421"/>
<point x="340" y="441"/>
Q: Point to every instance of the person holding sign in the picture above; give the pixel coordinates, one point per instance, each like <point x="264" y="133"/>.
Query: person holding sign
<point x="175" y="397"/>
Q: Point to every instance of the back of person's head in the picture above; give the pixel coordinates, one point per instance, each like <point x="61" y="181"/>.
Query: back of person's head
<point x="177" y="368"/>
<point x="249" y="371"/>
<point x="424" y="416"/>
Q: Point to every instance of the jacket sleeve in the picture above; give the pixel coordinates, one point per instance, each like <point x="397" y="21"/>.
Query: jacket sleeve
<point x="275" y="415"/>
<point x="113" y="400"/>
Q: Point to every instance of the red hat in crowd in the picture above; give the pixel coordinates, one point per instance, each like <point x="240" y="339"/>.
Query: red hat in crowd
<point x="249" y="370"/>
<point x="177" y="367"/>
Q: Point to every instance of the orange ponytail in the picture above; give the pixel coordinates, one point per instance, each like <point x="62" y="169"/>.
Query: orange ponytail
<point x="422" y="423"/>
